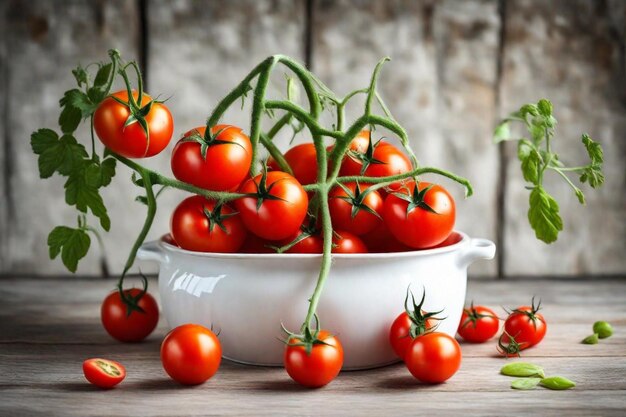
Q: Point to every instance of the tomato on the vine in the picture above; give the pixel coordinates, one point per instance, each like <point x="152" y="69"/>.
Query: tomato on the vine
<point x="201" y="225"/>
<point x="103" y="373"/>
<point x="129" y="326"/>
<point x="219" y="162"/>
<point x="130" y="140"/>
<point x="275" y="205"/>
<point x="355" y="208"/>
<point x="303" y="162"/>
<point x="433" y="357"/>
<point x="420" y="215"/>
<point x="310" y="243"/>
<point x="523" y="328"/>
<point x="411" y="324"/>
<point x="191" y="354"/>
<point x="319" y="366"/>
<point x="478" y="324"/>
<point x="346" y="242"/>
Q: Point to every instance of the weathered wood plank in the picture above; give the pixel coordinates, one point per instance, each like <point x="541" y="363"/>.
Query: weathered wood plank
<point x="439" y="86"/>
<point x="45" y="41"/>
<point x="573" y="53"/>
<point x="4" y="142"/>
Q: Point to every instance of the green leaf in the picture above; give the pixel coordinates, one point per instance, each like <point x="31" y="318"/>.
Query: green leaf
<point x="103" y="75"/>
<point x="594" y="149"/>
<point x="522" y="369"/>
<point x="70" y="118"/>
<point x="81" y="190"/>
<point x="73" y="244"/>
<point x="557" y="383"/>
<point x="580" y="195"/>
<point x="590" y="340"/>
<point x="80" y="100"/>
<point x="502" y="132"/>
<point x="543" y="215"/>
<point x="525" y="383"/>
<point x="62" y="155"/>
<point x="81" y="75"/>
<point x="531" y="160"/>
<point x="107" y="171"/>
<point x="545" y="107"/>
<point x="593" y="175"/>
<point x="527" y="109"/>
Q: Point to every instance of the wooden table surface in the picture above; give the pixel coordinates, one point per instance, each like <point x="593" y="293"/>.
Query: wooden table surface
<point x="49" y="326"/>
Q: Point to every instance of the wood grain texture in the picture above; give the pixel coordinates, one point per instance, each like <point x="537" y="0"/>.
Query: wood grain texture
<point x="45" y="41"/>
<point x="439" y="85"/>
<point x="573" y="53"/>
<point x="45" y="336"/>
<point x="4" y="141"/>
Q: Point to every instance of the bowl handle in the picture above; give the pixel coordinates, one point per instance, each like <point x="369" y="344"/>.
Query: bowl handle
<point x="477" y="249"/>
<point x="152" y="251"/>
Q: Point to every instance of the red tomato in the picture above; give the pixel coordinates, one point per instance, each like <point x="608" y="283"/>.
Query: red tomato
<point x="380" y="240"/>
<point x="420" y="227"/>
<point x="169" y="239"/>
<point x="433" y="357"/>
<point x="478" y="324"/>
<point x="310" y="244"/>
<point x="352" y="209"/>
<point x="303" y="162"/>
<point x="283" y="205"/>
<point x="526" y="326"/>
<point x="103" y="373"/>
<point x="191" y="354"/>
<point x="131" y="141"/>
<point x="197" y="224"/>
<point x="384" y="161"/>
<point x="227" y="160"/>
<point x="317" y="368"/>
<point x="346" y="242"/>
<point x="255" y="244"/>
<point x="129" y="328"/>
<point x="400" y="336"/>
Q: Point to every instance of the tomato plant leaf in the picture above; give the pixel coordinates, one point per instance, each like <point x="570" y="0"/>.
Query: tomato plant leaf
<point x="543" y="215"/>
<point x="56" y="155"/>
<point x="531" y="160"/>
<point x="103" y="75"/>
<point x="81" y="75"/>
<point x="557" y="383"/>
<point x="525" y="383"/>
<point x="522" y="369"/>
<point x="73" y="244"/>
<point x="81" y="190"/>
<point x="70" y="118"/>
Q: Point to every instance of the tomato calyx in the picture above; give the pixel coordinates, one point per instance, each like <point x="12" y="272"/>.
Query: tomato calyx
<point x="473" y="316"/>
<point x="263" y="191"/>
<point x="531" y="314"/>
<point x="216" y="217"/>
<point x="132" y="302"/>
<point x="512" y="346"/>
<point x="366" y="159"/>
<point x="416" y="198"/>
<point x="308" y="339"/>
<point x="357" y="199"/>
<point x="307" y="230"/>
<point x="208" y="139"/>
<point x="419" y="319"/>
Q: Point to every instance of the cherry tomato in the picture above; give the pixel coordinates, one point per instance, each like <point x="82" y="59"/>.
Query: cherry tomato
<point x="433" y="357"/>
<point x="103" y="373"/>
<point x="191" y="354"/>
<point x="478" y="324"/>
<point x="380" y="240"/>
<point x="130" y="141"/>
<point x="318" y="367"/>
<point x="303" y="162"/>
<point x="400" y="336"/>
<point x="526" y="326"/>
<point x="200" y="225"/>
<point x="355" y="209"/>
<point x="428" y="223"/>
<point x="132" y="327"/>
<point x="346" y="242"/>
<point x="227" y="160"/>
<point x="167" y="238"/>
<point x="282" y="205"/>
<point x="384" y="161"/>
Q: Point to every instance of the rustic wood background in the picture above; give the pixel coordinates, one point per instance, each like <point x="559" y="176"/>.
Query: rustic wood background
<point x="457" y="67"/>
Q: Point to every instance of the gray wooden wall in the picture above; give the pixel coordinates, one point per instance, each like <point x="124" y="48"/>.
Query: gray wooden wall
<point x="457" y="67"/>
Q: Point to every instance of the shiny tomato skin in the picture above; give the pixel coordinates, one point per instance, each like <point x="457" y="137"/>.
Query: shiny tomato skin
<point x="130" y="141"/>
<point x="254" y="244"/>
<point x="103" y="373"/>
<point x="341" y="210"/>
<point x="190" y="227"/>
<point x="129" y="328"/>
<point x="191" y="354"/>
<point x="278" y="218"/>
<point x="482" y="329"/>
<point x="433" y="357"/>
<point x="346" y="242"/>
<point x="380" y="240"/>
<point x="420" y="228"/>
<point x="399" y="336"/>
<point x="319" y="367"/>
<point x="226" y="164"/>
<point x="303" y="162"/>
<point x="310" y="244"/>
<point x="393" y="160"/>
<point x="526" y="332"/>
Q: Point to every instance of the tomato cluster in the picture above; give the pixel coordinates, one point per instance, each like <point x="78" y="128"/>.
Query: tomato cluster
<point x="274" y="210"/>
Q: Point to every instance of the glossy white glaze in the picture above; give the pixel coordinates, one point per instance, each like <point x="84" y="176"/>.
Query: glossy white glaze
<point x="245" y="297"/>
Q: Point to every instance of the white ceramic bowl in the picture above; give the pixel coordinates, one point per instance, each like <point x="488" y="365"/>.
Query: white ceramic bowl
<point x="245" y="297"/>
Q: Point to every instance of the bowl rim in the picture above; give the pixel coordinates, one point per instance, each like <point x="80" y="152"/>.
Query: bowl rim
<point x="465" y="239"/>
